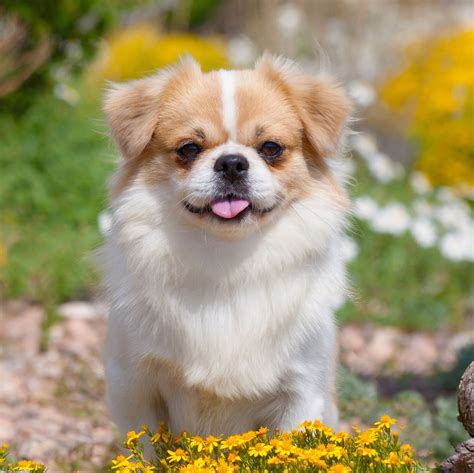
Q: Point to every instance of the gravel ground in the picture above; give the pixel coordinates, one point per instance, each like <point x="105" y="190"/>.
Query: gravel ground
<point x="51" y="402"/>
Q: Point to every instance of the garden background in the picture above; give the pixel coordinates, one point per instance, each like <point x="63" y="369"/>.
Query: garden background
<point x="407" y="333"/>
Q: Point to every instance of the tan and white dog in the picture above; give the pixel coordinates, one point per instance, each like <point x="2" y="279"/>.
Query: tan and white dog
<point x="224" y="261"/>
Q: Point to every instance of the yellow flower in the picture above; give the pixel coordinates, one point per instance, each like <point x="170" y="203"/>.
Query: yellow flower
<point x="233" y="458"/>
<point x="275" y="461"/>
<point x="232" y="442"/>
<point x="120" y="461"/>
<point x="406" y="449"/>
<point x="177" y="456"/>
<point x="198" y="466"/>
<point x="140" y="49"/>
<point x="197" y="442"/>
<point x="248" y="436"/>
<point x="335" y="451"/>
<point x="212" y="442"/>
<point x="312" y="455"/>
<point x="340" y="437"/>
<point x="26" y="465"/>
<point x="435" y="92"/>
<point x="223" y="467"/>
<point x="262" y="431"/>
<point x="385" y="421"/>
<point x="339" y="468"/>
<point x="367" y="452"/>
<point x="259" y="450"/>
<point x="393" y="460"/>
<point x="132" y="438"/>
<point x="283" y="447"/>
<point x="3" y="258"/>
<point x="319" y="464"/>
<point x="367" y="437"/>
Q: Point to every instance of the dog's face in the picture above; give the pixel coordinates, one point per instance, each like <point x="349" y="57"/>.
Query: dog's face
<point x="234" y="149"/>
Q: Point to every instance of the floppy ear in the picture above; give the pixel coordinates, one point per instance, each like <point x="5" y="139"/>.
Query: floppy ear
<point x="132" y="108"/>
<point x="322" y="105"/>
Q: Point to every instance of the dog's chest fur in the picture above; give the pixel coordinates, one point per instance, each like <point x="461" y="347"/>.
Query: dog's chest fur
<point x="233" y="319"/>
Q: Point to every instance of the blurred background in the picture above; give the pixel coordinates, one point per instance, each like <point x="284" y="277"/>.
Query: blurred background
<point x="407" y="333"/>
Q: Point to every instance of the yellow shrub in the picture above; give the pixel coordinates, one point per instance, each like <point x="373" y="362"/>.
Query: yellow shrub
<point x="436" y="92"/>
<point x="138" y="50"/>
<point x="313" y="447"/>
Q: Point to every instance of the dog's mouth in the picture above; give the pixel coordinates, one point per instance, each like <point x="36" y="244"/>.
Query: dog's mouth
<point x="228" y="208"/>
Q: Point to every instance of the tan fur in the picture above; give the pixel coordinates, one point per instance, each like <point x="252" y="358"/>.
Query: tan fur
<point x="152" y="117"/>
<point x="322" y="105"/>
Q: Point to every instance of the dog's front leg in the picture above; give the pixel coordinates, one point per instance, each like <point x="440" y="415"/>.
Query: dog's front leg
<point x="132" y="398"/>
<point x="312" y="406"/>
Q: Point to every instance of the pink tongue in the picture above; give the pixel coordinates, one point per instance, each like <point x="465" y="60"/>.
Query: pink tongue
<point x="229" y="208"/>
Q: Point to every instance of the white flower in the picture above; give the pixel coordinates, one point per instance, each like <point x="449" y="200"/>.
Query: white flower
<point x="241" y="51"/>
<point x="289" y="18"/>
<point x="445" y="194"/>
<point x="379" y="164"/>
<point x="362" y="93"/>
<point x="422" y="208"/>
<point x="453" y="215"/>
<point x="65" y="92"/>
<point x="363" y="144"/>
<point x="382" y="167"/>
<point x="424" y="232"/>
<point x="349" y="249"/>
<point x="458" y="246"/>
<point x="419" y="183"/>
<point x="104" y="221"/>
<point x="365" y="207"/>
<point x="393" y="219"/>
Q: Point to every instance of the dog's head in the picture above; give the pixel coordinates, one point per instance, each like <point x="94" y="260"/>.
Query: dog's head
<point x="233" y="149"/>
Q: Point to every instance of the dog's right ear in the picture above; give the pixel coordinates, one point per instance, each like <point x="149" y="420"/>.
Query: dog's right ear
<point x="132" y="108"/>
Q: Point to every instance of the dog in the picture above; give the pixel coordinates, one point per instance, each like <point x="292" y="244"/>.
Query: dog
<point x="223" y="263"/>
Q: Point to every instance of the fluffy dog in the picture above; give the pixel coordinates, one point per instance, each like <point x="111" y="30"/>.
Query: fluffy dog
<point x="223" y="262"/>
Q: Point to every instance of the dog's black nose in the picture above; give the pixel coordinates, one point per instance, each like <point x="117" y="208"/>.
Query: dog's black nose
<point x="232" y="166"/>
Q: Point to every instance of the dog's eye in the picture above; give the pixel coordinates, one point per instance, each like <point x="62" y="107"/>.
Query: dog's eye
<point x="189" y="151"/>
<point x="270" y="150"/>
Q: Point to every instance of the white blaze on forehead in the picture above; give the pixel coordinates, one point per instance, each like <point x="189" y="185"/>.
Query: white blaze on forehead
<point x="229" y="107"/>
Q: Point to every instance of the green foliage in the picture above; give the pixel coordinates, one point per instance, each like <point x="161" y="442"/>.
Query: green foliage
<point x="432" y="429"/>
<point x="190" y="14"/>
<point x="395" y="281"/>
<point x="54" y="167"/>
<point x="450" y="379"/>
<point x="67" y="25"/>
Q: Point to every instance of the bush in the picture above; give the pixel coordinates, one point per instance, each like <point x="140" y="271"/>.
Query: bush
<point x="138" y="50"/>
<point x="57" y="34"/>
<point x="314" y="447"/>
<point x="435" y="92"/>
<point x="54" y="172"/>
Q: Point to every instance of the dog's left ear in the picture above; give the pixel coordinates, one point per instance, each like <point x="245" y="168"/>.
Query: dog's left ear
<point x="322" y="105"/>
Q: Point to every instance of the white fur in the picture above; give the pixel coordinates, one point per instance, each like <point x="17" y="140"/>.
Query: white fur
<point x="248" y="323"/>
<point x="218" y="335"/>
<point x="229" y="109"/>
